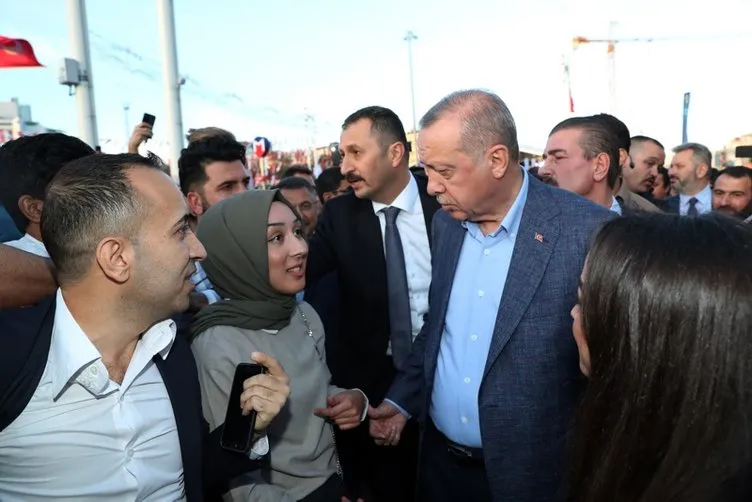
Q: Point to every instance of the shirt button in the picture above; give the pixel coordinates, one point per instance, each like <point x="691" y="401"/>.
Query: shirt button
<point x="467" y="380"/>
<point x="93" y="370"/>
<point x="463" y="420"/>
<point x="486" y="252"/>
<point x="481" y="292"/>
<point x="474" y="338"/>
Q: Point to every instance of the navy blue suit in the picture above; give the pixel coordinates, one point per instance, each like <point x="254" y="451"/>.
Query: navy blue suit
<point x="531" y="382"/>
<point x="670" y="205"/>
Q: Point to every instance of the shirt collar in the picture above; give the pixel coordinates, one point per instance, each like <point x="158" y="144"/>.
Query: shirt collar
<point x="72" y="353"/>
<point x="405" y="201"/>
<point x="704" y="197"/>
<point x="37" y="246"/>
<point x="615" y="206"/>
<point x="511" y="222"/>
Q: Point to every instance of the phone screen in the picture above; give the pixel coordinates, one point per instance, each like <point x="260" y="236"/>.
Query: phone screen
<point x="149" y="119"/>
<point x="238" y="430"/>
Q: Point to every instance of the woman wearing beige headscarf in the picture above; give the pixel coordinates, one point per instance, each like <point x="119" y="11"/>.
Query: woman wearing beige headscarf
<point x="256" y="257"/>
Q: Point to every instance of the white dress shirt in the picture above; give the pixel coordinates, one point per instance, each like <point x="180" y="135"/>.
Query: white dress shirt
<point x="704" y="201"/>
<point x="82" y="436"/>
<point x="29" y="244"/>
<point x="412" y="229"/>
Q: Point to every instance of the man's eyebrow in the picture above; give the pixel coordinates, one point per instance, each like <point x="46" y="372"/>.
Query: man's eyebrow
<point x="182" y="221"/>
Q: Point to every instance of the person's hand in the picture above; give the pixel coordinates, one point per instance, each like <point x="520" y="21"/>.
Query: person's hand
<point x="265" y="394"/>
<point x="344" y="409"/>
<point x="386" y="424"/>
<point x="141" y="133"/>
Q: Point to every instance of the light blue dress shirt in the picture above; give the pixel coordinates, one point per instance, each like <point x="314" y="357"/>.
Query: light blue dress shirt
<point x="470" y="319"/>
<point x="704" y="201"/>
<point x="615" y="206"/>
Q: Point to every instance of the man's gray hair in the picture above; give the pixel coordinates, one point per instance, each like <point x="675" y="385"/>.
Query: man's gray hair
<point x="700" y="153"/>
<point x="486" y="121"/>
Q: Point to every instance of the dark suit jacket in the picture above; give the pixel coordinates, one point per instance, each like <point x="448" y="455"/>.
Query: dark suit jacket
<point x="670" y="205"/>
<point x="532" y="379"/>
<point x="24" y="347"/>
<point x="348" y="240"/>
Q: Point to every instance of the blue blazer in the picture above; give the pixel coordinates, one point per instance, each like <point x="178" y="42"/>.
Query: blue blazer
<point x="532" y="380"/>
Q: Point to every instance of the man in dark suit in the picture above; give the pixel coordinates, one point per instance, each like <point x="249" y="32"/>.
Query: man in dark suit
<point x="493" y="375"/>
<point x="377" y="241"/>
<point x="98" y="397"/>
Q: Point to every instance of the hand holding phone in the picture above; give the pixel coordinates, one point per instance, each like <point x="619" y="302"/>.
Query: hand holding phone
<point x="239" y="423"/>
<point x="259" y="391"/>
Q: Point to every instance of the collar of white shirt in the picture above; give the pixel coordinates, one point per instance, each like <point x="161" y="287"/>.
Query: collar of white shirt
<point x="405" y="201"/>
<point x="704" y="199"/>
<point x="30" y="244"/>
<point x="75" y="359"/>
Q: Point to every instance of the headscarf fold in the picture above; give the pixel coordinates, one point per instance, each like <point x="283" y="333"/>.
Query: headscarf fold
<point x="233" y="232"/>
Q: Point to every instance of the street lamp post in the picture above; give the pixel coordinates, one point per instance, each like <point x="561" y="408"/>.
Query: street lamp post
<point x="409" y="38"/>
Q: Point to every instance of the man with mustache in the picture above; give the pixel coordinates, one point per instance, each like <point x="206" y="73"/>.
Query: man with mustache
<point x="376" y="239"/>
<point x="494" y="374"/>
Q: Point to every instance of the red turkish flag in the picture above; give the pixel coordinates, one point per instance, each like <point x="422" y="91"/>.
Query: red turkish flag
<point x="16" y="53"/>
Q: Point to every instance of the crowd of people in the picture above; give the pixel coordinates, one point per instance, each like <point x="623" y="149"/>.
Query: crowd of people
<point x="465" y="329"/>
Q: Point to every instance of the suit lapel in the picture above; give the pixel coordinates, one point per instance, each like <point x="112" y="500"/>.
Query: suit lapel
<point x="183" y="408"/>
<point x="536" y="239"/>
<point x="430" y="206"/>
<point x="446" y="263"/>
<point x="370" y="242"/>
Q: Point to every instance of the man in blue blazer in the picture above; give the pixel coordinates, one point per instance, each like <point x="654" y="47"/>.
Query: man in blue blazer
<point x="493" y="376"/>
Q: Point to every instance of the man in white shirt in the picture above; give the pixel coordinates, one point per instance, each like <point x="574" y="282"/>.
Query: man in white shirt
<point x="100" y="400"/>
<point x="27" y="165"/>
<point x="377" y="241"/>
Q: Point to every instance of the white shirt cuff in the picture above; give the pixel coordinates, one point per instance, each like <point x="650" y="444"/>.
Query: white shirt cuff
<point x="365" y="408"/>
<point x="260" y="448"/>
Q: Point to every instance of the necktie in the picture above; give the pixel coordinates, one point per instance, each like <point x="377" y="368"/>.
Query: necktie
<point x="400" y="325"/>
<point x="692" y="211"/>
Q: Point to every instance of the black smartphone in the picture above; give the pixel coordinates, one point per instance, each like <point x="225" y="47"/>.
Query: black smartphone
<point x="238" y="430"/>
<point x="149" y="119"/>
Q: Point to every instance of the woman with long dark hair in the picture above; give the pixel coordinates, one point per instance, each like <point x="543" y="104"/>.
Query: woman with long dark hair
<point x="664" y="329"/>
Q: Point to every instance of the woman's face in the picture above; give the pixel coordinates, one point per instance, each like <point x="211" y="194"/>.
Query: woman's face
<point x="578" y="330"/>
<point x="287" y="250"/>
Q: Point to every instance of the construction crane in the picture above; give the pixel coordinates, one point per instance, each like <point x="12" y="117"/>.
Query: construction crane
<point x="611" y="42"/>
<point x="610" y="54"/>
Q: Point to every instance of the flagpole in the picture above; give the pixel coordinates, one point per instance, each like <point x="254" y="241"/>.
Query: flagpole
<point x="79" y="38"/>
<point x="171" y="80"/>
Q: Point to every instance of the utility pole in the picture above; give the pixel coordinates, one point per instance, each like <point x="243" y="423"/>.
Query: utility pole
<point x="410" y="38"/>
<point x="79" y="39"/>
<point x="171" y="80"/>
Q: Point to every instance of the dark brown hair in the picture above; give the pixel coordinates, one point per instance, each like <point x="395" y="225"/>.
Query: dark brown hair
<point x="667" y="414"/>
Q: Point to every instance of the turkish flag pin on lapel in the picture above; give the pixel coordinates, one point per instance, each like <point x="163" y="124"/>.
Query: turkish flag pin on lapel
<point x="538" y="237"/>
